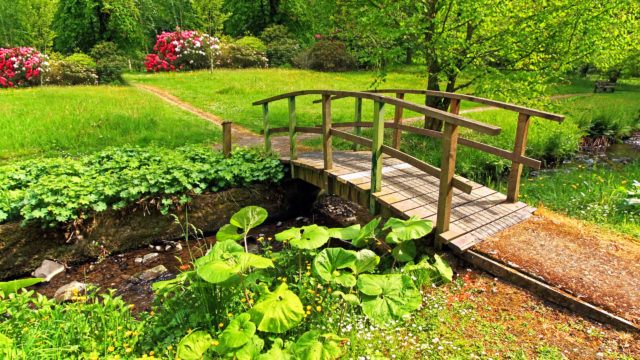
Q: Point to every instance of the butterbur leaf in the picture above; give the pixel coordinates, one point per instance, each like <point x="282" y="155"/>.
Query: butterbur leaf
<point x="216" y="272"/>
<point x="238" y="333"/>
<point x="366" y="261"/>
<point x="367" y="234"/>
<point x="347" y="233"/>
<point x="313" y="345"/>
<point x="194" y="345"/>
<point x="277" y="352"/>
<point x="328" y="263"/>
<point x="219" y="251"/>
<point x="351" y="299"/>
<point x="249" y="217"/>
<point x="444" y="270"/>
<point x="405" y="230"/>
<point x="250" y="350"/>
<point x="277" y="311"/>
<point x="229" y="232"/>
<point x="289" y="234"/>
<point x="10" y="287"/>
<point x="388" y="297"/>
<point x="228" y="269"/>
<point x="405" y="251"/>
<point x="312" y="237"/>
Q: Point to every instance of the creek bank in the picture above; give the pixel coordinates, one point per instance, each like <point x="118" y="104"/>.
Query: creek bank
<point x="23" y="248"/>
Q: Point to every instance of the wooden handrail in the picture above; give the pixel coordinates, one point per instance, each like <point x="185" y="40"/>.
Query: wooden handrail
<point x="421" y="109"/>
<point x="475" y="99"/>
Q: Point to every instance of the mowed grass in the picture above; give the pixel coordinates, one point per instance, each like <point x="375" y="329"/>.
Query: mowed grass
<point x="230" y="93"/>
<point x="75" y="120"/>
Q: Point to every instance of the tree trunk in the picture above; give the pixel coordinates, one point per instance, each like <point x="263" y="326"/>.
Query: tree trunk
<point x="614" y="75"/>
<point x="409" y="56"/>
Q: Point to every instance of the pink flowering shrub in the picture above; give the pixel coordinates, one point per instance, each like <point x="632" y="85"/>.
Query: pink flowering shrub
<point x="22" y="66"/>
<point x="183" y="50"/>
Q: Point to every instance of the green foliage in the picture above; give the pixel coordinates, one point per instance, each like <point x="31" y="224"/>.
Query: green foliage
<point x="27" y="23"/>
<point x="281" y="46"/>
<point x="326" y="55"/>
<point x="110" y="62"/>
<point x="10" y="287"/>
<point x="61" y="190"/>
<point x="194" y="345"/>
<point x="75" y="69"/>
<point x="314" y="345"/>
<point x="388" y="297"/>
<point x="81" y="24"/>
<point x="328" y="263"/>
<point x="278" y="311"/>
<point x="246" y="52"/>
<point x="307" y="237"/>
<point x="99" y="325"/>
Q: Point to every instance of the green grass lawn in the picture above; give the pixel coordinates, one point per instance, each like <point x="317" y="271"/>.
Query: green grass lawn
<point x="55" y="120"/>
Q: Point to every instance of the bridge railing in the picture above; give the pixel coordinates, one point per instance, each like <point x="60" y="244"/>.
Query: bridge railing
<point x="450" y="138"/>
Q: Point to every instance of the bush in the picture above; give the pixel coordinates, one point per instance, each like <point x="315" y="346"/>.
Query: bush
<point x="246" y="52"/>
<point x="59" y="190"/>
<point x="183" y="50"/>
<point x="281" y="46"/>
<point x="326" y="55"/>
<point x="76" y="69"/>
<point x="110" y="62"/>
<point x="21" y="67"/>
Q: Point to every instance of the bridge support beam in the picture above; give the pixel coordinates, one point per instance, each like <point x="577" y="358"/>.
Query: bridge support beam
<point x="513" y="185"/>
<point x="447" y="171"/>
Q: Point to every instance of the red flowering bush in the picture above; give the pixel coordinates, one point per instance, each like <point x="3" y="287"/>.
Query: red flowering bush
<point x="21" y="67"/>
<point x="183" y="50"/>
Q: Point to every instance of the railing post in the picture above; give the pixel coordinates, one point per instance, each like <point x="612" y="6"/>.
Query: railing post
<point x="265" y="122"/>
<point x="447" y="170"/>
<point x="397" y="120"/>
<point x="513" y="185"/>
<point x="376" y="153"/>
<point x="226" y="138"/>
<point x="454" y="107"/>
<point x="358" y="118"/>
<point x="293" y="135"/>
<point x="327" y="149"/>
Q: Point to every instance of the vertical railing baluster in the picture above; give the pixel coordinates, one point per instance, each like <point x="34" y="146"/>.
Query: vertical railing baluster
<point x="397" y="121"/>
<point x="447" y="171"/>
<point x="293" y="135"/>
<point x="226" y="138"/>
<point x="513" y="185"/>
<point x="376" y="153"/>
<point x="454" y="107"/>
<point x="265" y="122"/>
<point x="327" y="149"/>
<point x="358" y="119"/>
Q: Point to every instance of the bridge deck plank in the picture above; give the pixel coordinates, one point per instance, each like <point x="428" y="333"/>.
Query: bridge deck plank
<point x="409" y="191"/>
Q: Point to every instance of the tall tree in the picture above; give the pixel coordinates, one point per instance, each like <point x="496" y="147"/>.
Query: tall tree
<point x="480" y="36"/>
<point x="27" y="23"/>
<point x="81" y="24"/>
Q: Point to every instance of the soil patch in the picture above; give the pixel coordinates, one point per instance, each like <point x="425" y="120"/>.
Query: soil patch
<point x="593" y="264"/>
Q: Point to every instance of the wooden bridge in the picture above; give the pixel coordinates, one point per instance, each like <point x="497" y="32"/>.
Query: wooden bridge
<point x="389" y="181"/>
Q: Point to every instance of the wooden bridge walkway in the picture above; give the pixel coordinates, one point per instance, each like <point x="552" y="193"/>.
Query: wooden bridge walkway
<point x="390" y="181"/>
<point x="407" y="191"/>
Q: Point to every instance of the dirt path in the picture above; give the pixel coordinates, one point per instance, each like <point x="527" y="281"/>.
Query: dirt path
<point x="589" y="262"/>
<point x="241" y="136"/>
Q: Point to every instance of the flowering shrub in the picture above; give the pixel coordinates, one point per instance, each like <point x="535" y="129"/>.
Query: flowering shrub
<point x="21" y="67"/>
<point x="182" y="50"/>
<point x="246" y="52"/>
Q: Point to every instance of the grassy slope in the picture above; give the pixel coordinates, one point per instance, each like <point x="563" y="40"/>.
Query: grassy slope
<point x="50" y="120"/>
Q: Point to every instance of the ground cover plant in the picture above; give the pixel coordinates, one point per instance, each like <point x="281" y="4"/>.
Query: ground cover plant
<point x="78" y="120"/>
<point x="61" y="191"/>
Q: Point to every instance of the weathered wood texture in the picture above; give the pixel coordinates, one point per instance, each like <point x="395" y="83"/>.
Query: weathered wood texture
<point x="407" y="191"/>
<point x="226" y="138"/>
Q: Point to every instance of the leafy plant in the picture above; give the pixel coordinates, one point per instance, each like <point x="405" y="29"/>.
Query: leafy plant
<point x="10" y="287"/>
<point x="388" y="297"/>
<point x="241" y="223"/>
<point x="277" y="311"/>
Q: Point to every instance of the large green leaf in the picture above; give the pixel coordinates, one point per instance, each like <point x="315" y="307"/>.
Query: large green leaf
<point x="366" y="261"/>
<point x="328" y="263"/>
<point x="367" y="234"/>
<point x="405" y="230"/>
<point x="444" y="270"/>
<point x="311" y="237"/>
<point x="231" y="266"/>
<point x="194" y="345"/>
<point x="351" y="299"/>
<point x="347" y="233"/>
<point x="238" y="333"/>
<point x="405" y="251"/>
<point x="313" y="345"/>
<point x="10" y="287"/>
<point x="388" y="297"/>
<point x="229" y="232"/>
<point x="249" y="217"/>
<point x="277" y="352"/>
<point x="219" y="251"/>
<point x="277" y="311"/>
<point x="250" y="350"/>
